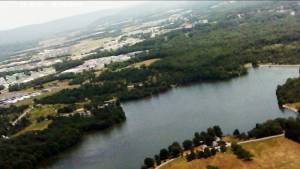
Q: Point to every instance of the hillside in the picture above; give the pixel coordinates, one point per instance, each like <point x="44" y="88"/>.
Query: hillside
<point x="276" y="153"/>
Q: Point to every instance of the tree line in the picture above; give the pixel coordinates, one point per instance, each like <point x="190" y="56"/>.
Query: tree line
<point x="175" y="149"/>
<point x="28" y="150"/>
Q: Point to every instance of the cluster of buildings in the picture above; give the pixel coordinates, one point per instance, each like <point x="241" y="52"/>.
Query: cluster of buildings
<point x="87" y="113"/>
<point x="119" y="43"/>
<point x="50" y="53"/>
<point x="101" y="62"/>
<point x="14" y="98"/>
<point x="25" y="77"/>
<point x="81" y="112"/>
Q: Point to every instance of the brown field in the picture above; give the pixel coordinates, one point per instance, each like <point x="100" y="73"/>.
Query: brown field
<point x="294" y="105"/>
<point x="275" y="153"/>
<point x="145" y="62"/>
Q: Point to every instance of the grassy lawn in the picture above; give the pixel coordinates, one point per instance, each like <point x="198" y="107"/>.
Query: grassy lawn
<point x="276" y="153"/>
<point x="42" y="111"/>
<point x="35" y="126"/>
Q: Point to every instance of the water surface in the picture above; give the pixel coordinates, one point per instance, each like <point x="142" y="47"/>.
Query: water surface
<point x="154" y="123"/>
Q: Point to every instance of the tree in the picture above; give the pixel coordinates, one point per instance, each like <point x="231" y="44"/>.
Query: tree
<point x="223" y="148"/>
<point x="196" y="141"/>
<point x="203" y="136"/>
<point x="157" y="159"/>
<point x="187" y="144"/>
<point x="175" y="149"/>
<point x="201" y="154"/>
<point x="144" y="167"/>
<point x="213" y="151"/>
<point x="218" y="131"/>
<point x="240" y="152"/>
<point x="207" y="152"/>
<point x="149" y="162"/>
<point x="197" y="135"/>
<point x="163" y="154"/>
<point x="254" y="64"/>
<point x="191" y="156"/>
<point x="211" y="132"/>
<point x="2" y="87"/>
<point x="243" y="136"/>
<point x="236" y="132"/>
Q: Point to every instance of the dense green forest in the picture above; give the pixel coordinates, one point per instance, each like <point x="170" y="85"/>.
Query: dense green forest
<point x="289" y="92"/>
<point x="30" y="149"/>
<point x="11" y="112"/>
<point x="290" y="127"/>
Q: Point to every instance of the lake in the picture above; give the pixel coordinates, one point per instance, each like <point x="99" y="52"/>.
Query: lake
<point x="156" y="122"/>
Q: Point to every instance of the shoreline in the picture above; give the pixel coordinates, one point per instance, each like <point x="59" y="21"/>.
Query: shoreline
<point x="278" y="65"/>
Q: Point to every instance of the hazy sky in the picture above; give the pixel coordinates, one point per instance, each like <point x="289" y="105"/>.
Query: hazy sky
<point x="15" y="14"/>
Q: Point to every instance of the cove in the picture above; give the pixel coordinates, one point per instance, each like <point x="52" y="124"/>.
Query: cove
<point x="156" y="122"/>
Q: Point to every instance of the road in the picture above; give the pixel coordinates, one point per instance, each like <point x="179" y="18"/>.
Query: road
<point x="158" y="167"/>
<point x="21" y="116"/>
<point x="260" y="139"/>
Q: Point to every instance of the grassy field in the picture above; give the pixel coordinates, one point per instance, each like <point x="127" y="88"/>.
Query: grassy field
<point x="35" y="126"/>
<point x="34" y="114"/>
<point x="276" y="153"/>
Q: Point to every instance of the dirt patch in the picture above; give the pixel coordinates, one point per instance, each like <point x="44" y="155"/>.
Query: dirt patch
<point x="146" y="62"/>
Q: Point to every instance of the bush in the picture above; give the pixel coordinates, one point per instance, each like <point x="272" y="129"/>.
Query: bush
<point x="268" y="128"/>
<point x="223" y="148"/>
<point x="213" y="151"/>
<point x="66" y="109"/>
<point x="218" y="131"/>
<point x="187" y="144"/>
<point x="163" y="154"/>
<point x="175" y="149"/>
<point x="200" y="154"/>
<point x="236" y="133"/>
<point x="157" y="159"/>
<point x="240" y="152"/>
<point x="207" y="152"/>
<point x="212" y="167"/>
<point x="149" y="162"/>
<point x="191" y="156"/>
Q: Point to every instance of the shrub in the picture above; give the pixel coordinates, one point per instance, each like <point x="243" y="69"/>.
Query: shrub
<point x="149" y="162"/>
<point x="187" y="144"/>
<point x="212" y="167"/>
<point x="240" y="152"/>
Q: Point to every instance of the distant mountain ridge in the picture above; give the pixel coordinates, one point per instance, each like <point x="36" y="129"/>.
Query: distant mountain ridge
<point x="44" y="30"/>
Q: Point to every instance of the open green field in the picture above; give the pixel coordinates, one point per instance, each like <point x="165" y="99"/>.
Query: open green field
<point x="275" y="153"/>
<point x="34" y="114"/>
